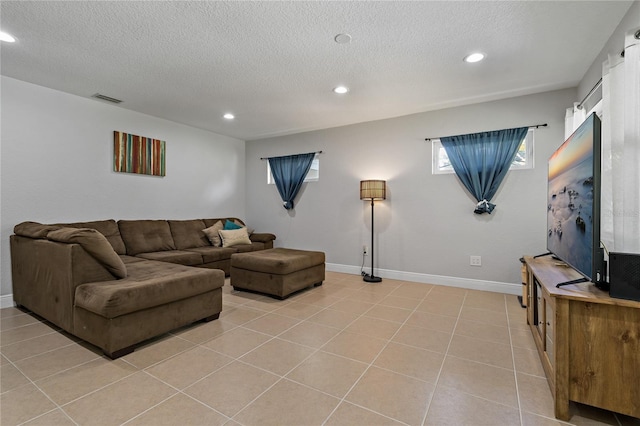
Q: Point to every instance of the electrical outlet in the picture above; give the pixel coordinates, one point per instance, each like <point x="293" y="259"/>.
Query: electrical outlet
<point x="475" y="260"/>
<point x="365" y="250"/>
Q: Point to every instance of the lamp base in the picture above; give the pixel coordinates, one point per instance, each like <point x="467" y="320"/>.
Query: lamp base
<point x="371" y="279"/>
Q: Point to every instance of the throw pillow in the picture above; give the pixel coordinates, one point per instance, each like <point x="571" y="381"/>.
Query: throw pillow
<point x="94" y="243"/>
<point x="34" y="229"/>
<point x="249" y="230"/>
<point x="234" y="237"/>
<point x="231" y="225"/>
<point x="212" y="233"/>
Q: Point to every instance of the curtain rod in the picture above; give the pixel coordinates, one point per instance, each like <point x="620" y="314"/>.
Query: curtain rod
<point x="266" y="158"/>
<point x="535" y="126"/>
<point x="593" y="89"/>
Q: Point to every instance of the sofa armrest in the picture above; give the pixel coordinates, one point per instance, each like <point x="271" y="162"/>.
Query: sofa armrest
<point x="45" y="275"/>
<point x="264" y="237"/>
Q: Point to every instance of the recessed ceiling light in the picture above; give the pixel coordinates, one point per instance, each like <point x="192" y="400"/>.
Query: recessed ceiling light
<point x="474" y="57"/>
<point x="6" y="37"/>
<point x="341" y="90"/>
<point x="229" y="116"/>
<point x="342" y="38"/>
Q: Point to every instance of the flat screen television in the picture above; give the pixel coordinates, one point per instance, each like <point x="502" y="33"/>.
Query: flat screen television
<point x="573" y="203"/>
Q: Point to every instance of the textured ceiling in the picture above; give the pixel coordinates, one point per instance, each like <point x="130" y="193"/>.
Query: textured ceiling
<point x="274" y="64"/>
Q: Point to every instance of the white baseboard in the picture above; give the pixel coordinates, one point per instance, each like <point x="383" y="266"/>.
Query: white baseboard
<point x="6" y="301"/>
<point x="495" y="286"/>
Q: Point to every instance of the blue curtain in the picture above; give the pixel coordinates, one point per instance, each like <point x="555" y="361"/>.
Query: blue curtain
<point x="289" y="173"/>
<point x="481" y="161"/>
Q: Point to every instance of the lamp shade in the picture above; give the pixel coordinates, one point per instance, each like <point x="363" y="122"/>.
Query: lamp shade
<point x="373" y="189"/>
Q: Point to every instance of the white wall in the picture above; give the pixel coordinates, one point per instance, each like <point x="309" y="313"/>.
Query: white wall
<point x="426" y="229"/>
<point x="57" y="165"/>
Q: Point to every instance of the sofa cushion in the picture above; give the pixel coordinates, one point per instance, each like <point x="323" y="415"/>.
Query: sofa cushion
<point x="130" y="259"/>
<point x="262" y="237"/>
<point x="279" y="261"/>
<point x="188" y="233"/>
<point x="181" y="257"/>
<point x="234" y="237"/>
<point x="244" y="248"/>
<point x="213" y="235"/>
<point x="214" y="254"/>
<point x="146" y="236"/>
<point x="94" y="243"/>
<point x="34" y="229"/>
<point x="108" y="228"/>
<point x="149" y="284"/>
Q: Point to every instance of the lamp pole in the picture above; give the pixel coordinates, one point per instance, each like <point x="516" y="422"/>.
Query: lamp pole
<point x="372" y="190"/>
<point x="371" y="278"/>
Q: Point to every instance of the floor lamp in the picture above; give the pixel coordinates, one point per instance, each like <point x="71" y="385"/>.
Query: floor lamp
<point x="372" y="190"/>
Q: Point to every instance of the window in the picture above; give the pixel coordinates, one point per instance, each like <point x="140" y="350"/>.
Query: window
<point x="312" y="176"/>
<point x="523" y="159"/>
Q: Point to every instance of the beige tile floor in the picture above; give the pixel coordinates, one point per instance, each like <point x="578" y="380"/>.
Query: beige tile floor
<point x="346" y="353"/>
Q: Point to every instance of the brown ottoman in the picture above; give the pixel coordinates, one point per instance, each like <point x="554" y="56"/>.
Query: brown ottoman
<point x="278" y="271"/>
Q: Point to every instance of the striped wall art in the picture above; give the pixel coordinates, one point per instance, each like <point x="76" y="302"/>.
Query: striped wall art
<point x="137" y="154"/>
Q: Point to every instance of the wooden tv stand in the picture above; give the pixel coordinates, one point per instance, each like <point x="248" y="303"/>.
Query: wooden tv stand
<point x="589" y="343"/>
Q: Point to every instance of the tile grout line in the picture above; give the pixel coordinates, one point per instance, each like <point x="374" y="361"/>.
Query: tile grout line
<point x="202" y="345"/>
<point x="513" y="362"/>
<point x="59" y="331"/>
<point x="138" y="369"/>
<point x="342" y="400"/>
<point x="242" y="325"/>
<point x="42" y="353"/>
<point x="316" y="350"/>
<point x="283" y="377"/>
<point x="58" y="406"/>
<point x="98" y="389"/>
<point x="273" y="337"/>
<point x="444" y="359"/>
<point x="49" y="412"/>
<point x="34" y="384"/>
<point x="351" y="295"/>
<point x="178" y="392"/>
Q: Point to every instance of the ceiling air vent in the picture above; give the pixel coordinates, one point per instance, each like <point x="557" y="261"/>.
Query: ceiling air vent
<point x="106" y="98"/>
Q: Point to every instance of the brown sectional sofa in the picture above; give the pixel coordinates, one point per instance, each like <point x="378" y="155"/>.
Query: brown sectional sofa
<point x="116" y="284"/>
